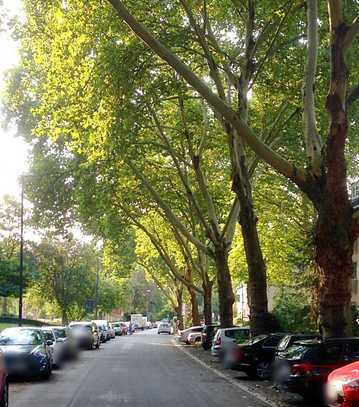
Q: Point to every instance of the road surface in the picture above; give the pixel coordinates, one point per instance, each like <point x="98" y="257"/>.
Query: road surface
<point x="142" y="370"/>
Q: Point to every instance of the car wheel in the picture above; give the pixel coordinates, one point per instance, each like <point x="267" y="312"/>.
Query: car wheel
<point x="264" y="370"/>
<point x="4" y="402"/>
<point x="47" y="373"/>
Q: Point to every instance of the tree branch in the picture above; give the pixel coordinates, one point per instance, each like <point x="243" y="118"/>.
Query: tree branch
<point x="289" y="170"/>
<point x="311" y="136"/>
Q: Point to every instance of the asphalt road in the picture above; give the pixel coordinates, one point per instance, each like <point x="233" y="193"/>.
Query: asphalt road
<point x="142" y="370"/>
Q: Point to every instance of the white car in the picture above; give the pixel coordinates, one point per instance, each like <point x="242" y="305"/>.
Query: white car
<point x="226" y="337"/>
<point x="57" y="349"/>
<point x="194" y="337"/>
<point x="164" y="328"/>
<point x="186" y="332"/>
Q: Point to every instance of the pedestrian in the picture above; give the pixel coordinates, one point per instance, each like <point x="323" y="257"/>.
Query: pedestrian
<point x="130" y="327"/>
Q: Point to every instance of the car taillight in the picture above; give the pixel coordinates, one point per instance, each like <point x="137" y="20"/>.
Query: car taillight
<point x="218" y="341"/>
<point x="301" y="369"/>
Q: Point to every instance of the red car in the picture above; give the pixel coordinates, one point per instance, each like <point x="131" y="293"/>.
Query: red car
<point x="343" y="386"/>
<point x="4" y="388"/>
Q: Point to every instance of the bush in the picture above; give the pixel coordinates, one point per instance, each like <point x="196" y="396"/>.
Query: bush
<point x="293" y="311"/>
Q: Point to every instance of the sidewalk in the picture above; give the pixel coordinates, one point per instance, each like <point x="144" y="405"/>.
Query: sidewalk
<point x="263" y="388"/>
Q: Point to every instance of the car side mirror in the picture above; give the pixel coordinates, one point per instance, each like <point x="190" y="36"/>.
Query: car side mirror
<point x="49" y="343"/>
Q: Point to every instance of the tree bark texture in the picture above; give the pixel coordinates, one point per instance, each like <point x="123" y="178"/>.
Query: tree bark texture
<point x="224" y="282"/>
<point x="257" y="276"/>
<point x="334" y="237"/>
<point x="179" y="309"/>
<point x="207" y="302"/>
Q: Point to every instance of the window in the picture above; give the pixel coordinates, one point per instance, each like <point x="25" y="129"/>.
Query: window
<point x="272" y="341"/>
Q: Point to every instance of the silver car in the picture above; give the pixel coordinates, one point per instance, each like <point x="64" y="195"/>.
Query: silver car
<point x="226" y="337"/>
<point x="164" y="328"/>
<point x="57" y="349"/>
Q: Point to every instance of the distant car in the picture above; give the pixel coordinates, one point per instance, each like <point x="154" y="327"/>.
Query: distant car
<point x="104" y="324"/>
<point x="86" y="334"/>
<point x="4" y="386"/>
<point x="255" y="357"/>
<point x="116" y="326"/>
<point x="56" y="348"/>
<point x="342" y="389"/>
<point x="164" y="328"/>
<point x="306" y="365"/>
<point x="194" y="338"/>
<point x="111" y="331"/>
<point x="208" y="333"/>
<point x="193" y="329"/>
<point x="26" y="352"/>
<point x="124" y="328"/>
<point x="225" y="337"/>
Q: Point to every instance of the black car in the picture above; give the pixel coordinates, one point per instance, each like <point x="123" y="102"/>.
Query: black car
<point x="208" y="333"/>
<point x="291" y="339"/>
<point x="255" y="357"/>
<point x="304" y="367"/>
<point x="26" y="352"/>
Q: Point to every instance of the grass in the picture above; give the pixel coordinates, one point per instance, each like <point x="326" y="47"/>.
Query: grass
<point x="4" y="325"/>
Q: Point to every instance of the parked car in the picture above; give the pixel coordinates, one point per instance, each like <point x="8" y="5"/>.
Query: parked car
<point x="26" y="352"/>
<point x="4" y="386"/>
<point x="290" y="339"/>
<point x="305" y="367"/>
<point x="164" y="328"/>
<point x="208" y="333"/>
<point x="86" y="334"/>
<point x="342" y="389"/>
<point x="56" y="348"/>
<point x="105" y="328"/>
<point x="256" y="356"/>
<point x="116" y="326"/>
<point x="194" y="337"/>
<point x="111" y="331"/>
<point x="124" y="328"/>
<point x="226" y="337"/>
<point x="184" y="334"/>
<point x="63" y="334"/>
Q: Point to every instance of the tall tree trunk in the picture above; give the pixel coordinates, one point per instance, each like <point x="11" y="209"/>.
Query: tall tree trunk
<point x="207" y="301"/>
<point x="257" y="276"/>
<point x="64" y="317"/>
<point x="334" y="238"/>
<point x="179" y="309"/>
<point x="4" y="306"/>
<point x="224" y="282"/>
<point x="196" y="320"/>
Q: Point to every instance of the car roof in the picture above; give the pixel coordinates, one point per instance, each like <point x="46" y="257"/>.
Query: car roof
<point x="233" y="328"/>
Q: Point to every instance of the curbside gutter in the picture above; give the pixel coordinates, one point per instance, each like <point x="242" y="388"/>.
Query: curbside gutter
<point x="246" y="389"/>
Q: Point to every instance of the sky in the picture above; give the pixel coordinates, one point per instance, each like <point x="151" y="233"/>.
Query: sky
<point x="12" y="149"/>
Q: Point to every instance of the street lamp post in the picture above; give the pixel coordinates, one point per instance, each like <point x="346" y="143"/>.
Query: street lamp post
<point x="21" y="271"/>
<point x="148" y="292"/>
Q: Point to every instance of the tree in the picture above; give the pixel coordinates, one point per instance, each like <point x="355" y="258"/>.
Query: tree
<point x="324" y="178"/>
<point x="66" y="275"/>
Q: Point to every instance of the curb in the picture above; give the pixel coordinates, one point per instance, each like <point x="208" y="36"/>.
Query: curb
<point x="248" y="390"/>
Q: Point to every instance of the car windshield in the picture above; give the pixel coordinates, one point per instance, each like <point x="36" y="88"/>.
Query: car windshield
<point x="20" y="337"/>
<point x="297" y="352"/>
<point x="48" y="335"/>
<point x="81" y="327"/>
<point x="256" y="339"/>
<point x="60" y="333"/>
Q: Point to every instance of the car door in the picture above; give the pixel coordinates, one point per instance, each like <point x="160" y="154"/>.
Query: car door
<point x="268" y="348"/>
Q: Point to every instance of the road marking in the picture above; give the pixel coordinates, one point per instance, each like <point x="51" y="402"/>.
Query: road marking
<point x="230" y="380"/>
